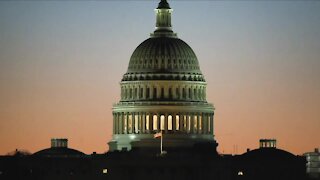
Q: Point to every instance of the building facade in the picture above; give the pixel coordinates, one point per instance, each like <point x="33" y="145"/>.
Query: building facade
<point x="313" y="164"/>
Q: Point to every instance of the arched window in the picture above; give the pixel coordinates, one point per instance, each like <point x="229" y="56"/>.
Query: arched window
<point x="177" y="122"/>
<point x="170" y="93"/>
<point x="136" y="123"/>
<point x="130" y="123"/>
<point x="195" y="123"/>
<point x="170" y="123"/>
<point x="184" y="122"/>
<point x="162" y="119"/>
<point x="189" y="123"/>
<point x="148" y="93"/>
<point x="147" y="122"/>
<point x="155" y="122"/>
<point x="154" y="93"/>
<point x="200" y="124"/>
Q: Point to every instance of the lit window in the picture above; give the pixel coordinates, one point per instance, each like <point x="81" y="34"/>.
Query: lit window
<point x="169" y="122"/>
<point x="105" y="171"/>
<point x="177" y="122"/>
<point x="162" y="122"/>
<point x="155" y="122"/>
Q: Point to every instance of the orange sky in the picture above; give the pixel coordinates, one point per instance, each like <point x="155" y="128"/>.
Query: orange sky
<point x="61" y="64"/>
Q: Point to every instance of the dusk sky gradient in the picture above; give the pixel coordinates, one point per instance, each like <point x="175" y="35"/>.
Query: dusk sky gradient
<point x="61" y="63"/>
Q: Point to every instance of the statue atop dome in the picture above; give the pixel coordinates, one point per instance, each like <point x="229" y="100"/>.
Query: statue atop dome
<point x="163" y="4"/>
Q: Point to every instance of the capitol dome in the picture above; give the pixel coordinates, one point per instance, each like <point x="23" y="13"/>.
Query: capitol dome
<point x="162" y="91"/>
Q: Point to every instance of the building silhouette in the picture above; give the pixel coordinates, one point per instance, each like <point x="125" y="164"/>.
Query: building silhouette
<point x="163" y="92"/>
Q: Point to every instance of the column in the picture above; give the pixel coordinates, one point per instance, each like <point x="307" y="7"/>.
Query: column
<point x="151" y="92"/>
<point x="181" y="122"/>
<point x="173" y="122"/>
<point x="211" y="123"/>
<point x="204" y="122"/>
<point x="114" y="123"/>
<point x="117" y="123"/>
<point x="159" y="121"/>
<point x="133" y="123"/>
<point x="187" y="122"/>
<point x="199" y="130"/>
<point x="143" y="123"/>
<point x="120" y="127"/>
<point x="150" y="122"/>
<point x="192" y="129"/>
<point x="139" y="123"/>
<point x="144" y="92"/>
<point x="187" y="92"/>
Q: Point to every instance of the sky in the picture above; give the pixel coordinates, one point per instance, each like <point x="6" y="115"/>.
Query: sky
<point x="61" y="63"/>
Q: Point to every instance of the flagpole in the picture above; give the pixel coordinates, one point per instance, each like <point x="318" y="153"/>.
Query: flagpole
<point x="161" y="143"/>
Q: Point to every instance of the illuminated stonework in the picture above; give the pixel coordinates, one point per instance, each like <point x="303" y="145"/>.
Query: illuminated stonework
<point x="163" y="89"/>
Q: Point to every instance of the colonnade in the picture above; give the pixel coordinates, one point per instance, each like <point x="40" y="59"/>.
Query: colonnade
<point x="148" y="91"/>
<point x="149" y="123"/>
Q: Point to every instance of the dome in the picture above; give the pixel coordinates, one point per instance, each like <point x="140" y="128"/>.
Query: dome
<point x="162" y="90"/>
<point x="59" y="152"/>
<point x="163" y="55"/>
<point x="268" y="154"/>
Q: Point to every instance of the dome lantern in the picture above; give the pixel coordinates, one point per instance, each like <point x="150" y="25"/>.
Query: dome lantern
<point x="163" y="20"/>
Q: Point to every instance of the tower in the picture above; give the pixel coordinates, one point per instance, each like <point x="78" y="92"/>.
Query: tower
<point x="162" y="90"/>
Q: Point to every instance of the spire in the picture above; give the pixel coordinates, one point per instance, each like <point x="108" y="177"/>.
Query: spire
<point x="163" y="20"/>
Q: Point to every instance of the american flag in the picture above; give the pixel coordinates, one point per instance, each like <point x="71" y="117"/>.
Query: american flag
<point x="156" y="135"/>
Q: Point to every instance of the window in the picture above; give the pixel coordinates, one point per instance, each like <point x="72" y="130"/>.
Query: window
<point x="189" y="123"/>
<point x="177" y="122"/>
<point x="136" y="124"/>
<point x="195" y="123"/>
<point x="125" y="124"/>
<point x="170" y="123"/>
<point x="200" y="123"/>
<point x="154" y="93"/>
<point x="104" y="171"/>
<point x="147" y="122"/>
<point x="155" y="122"/>
<point x="130" y="123"/>
<point x="162" y="119"/>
